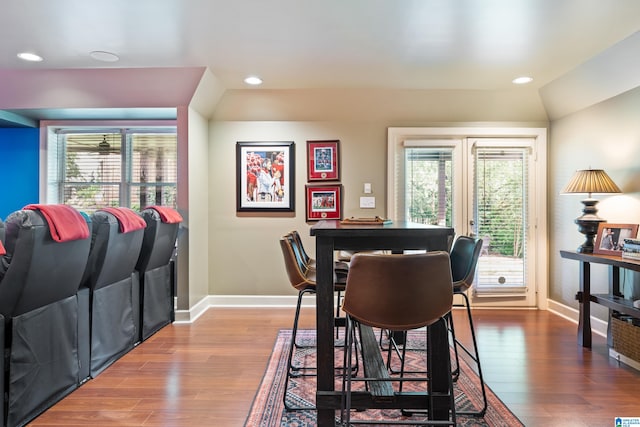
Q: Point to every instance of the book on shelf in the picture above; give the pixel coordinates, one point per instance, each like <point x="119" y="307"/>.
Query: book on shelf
<point x="631" y="255"/>
<point x="631" y="245"/>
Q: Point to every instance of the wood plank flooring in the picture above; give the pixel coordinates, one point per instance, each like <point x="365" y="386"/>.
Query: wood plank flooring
<point x="207" y="373"/>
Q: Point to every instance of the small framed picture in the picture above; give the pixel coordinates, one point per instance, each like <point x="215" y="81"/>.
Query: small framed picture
<point x="324" y="202"/>
<point x="323" y="158"/>
<point x="610" y="237"/>
<point x="265" y="174"/>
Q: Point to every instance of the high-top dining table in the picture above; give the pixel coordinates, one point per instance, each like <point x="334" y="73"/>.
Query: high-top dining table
<point x="332" y="235"/>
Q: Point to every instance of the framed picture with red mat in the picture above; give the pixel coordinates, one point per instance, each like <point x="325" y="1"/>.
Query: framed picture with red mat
<point x="323" y="201"/>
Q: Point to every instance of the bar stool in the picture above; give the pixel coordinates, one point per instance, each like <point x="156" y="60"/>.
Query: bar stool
<point x="464" y="260"/>
<point x="340" y="268"/>
<point x="304" y="281"/>
<point x="398" y="293"/>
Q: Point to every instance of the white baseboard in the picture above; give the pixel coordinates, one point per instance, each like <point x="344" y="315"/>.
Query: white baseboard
<point x="624" y="359"/>
<point x="278" y="301"/>
<point x="598" y="326"/>
<point x="241" y="301"/>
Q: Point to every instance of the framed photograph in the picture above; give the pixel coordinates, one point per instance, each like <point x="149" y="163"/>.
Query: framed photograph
<point x="324" y="202"/>
<point x="323" y="158"/>
<point x="610" y="237"/>
<point x="265" y="176"/>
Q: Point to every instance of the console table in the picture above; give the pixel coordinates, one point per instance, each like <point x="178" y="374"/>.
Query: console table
<point x="614" y="300"/>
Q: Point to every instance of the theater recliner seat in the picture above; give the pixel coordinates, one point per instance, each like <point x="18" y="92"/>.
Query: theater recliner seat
<point x="156" y="267"/>
<point x="40" y="307"/>
<point x="114" y="288"/>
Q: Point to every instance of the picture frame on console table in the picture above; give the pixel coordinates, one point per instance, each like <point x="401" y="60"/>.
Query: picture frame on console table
<point x="610" y="237"/>
<point x="323" y="201"/>
<point x="323" y="160"/>
<point x="265" y="176"/>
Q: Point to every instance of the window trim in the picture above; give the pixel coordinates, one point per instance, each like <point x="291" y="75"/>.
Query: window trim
<point x="48" y="161"/>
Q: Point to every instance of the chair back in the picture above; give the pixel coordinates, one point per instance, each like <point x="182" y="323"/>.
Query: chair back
<point x="399" y="292"/>
<point x="2" y="231"/>
<point x="113" y="254"/>
<point x="41" y="270"/>
<point x="298" y="252"/>
<point x="298" y="240"/>
<point x="298" y="278"/>
<point x="158" y="243"/>
<point x="464" y="259"/>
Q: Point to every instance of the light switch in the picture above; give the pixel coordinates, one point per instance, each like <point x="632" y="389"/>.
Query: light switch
<point x="367" y="202"/>
<point x="367" y="188"/>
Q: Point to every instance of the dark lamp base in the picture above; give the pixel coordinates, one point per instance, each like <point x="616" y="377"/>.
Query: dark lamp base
<point x="588" y="227"/>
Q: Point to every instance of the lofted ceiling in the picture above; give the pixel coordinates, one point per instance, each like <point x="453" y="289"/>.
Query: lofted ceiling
<point x="315" y="44"/>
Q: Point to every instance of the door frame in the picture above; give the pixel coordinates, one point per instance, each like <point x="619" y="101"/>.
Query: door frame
<point x="396" y="137"/>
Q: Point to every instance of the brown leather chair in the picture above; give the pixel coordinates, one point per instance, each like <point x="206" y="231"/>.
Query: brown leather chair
<point x="340" y="268"/>
<point x="464" y="260"/>
<point x="397" y="293"/>
<point x="303" y="280"/>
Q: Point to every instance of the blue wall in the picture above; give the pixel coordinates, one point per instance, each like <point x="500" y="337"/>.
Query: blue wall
<point x="19" y="168"/>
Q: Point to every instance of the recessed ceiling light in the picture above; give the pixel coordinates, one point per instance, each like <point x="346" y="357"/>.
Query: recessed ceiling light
<point x="32" y="57"/>
<point x="253" y="80"/>
<point x="522" y="80"/>
<point x="102" y="56"/>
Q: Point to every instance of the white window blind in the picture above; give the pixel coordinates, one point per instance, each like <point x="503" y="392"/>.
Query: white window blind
<point x="99" y="168"/>
<point x="501" y="194"/>
<point x="428" y="186"/>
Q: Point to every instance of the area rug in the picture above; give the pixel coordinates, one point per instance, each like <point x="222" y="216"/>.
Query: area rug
<point x="268" y="408"/>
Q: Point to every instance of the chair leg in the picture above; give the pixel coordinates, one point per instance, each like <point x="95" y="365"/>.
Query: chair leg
<point x="295" y="371"/>
<point x="338" y="312"/>
<point x="290" y="367"/>
<point x="455" y="372"/>
<point x="347" y="373"/>
<point x="475" y="356"/>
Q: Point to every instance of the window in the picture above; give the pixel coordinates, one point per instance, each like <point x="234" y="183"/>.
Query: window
<point x="95" y="168"/>
<point x="429" y="185"/>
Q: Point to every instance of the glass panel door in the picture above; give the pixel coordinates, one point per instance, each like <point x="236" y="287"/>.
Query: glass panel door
<point x="501" y="201"/>
<point x="481" y="187"/>
<point x="500" y="217"/>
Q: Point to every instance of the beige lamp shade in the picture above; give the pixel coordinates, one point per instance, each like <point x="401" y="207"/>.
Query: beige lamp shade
<point x="591" y="181"/>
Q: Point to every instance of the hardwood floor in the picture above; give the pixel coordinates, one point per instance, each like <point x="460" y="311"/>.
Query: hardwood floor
<point x="207" y="373"/>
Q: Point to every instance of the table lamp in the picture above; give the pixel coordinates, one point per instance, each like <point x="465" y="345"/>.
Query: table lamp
<point x="590" y="181"/>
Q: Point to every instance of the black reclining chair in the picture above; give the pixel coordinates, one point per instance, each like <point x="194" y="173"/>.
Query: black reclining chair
<point x="40" y="308"/>
<point x="156" y="267"/>
<point x="2" y="235"/>
<point x="110" y="276"/>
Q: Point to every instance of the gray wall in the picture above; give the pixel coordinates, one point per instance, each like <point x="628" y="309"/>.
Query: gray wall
<point x="244" y="256"/>
<point x="606" y="136"/>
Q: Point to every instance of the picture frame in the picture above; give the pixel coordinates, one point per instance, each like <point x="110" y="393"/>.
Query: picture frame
<point x="323" y="201"/>
<point x="323" y="160"/>
<point x="610" y="237"/>
<point x="265" y="176"/>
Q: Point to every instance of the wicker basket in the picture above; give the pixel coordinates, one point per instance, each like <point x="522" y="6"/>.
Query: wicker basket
<point x="626" y="338"/>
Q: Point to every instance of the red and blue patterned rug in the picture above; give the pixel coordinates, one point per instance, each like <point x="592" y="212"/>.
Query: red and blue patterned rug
<point x="268" y="407"/>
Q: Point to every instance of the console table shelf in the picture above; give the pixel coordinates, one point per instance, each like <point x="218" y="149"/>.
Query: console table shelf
<point x="613" y="300"/>
<point x="616" y="303"/>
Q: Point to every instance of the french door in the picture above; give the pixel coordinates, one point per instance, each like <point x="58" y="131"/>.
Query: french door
<point x="483" y="186"/>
